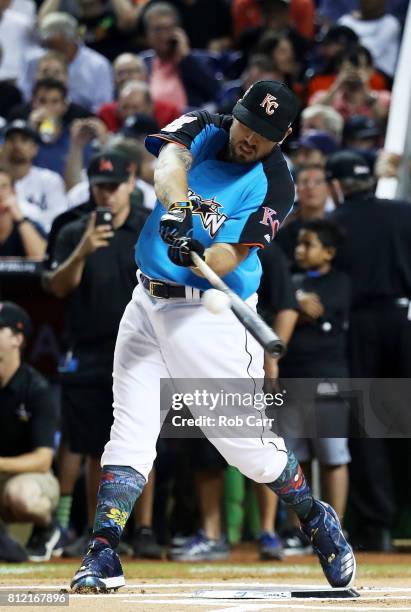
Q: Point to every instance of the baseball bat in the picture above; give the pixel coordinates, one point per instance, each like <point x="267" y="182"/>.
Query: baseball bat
<point x="246" y="315"/>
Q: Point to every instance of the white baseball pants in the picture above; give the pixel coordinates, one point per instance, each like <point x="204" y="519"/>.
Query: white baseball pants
<point x="180" y="339"/>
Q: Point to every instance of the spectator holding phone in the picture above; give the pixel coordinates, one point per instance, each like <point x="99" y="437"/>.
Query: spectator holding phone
<point x="175" y="73"/>
<point x="83" y="132"/>
<point x="351" y="94"/>
<point x="93" y="266"/>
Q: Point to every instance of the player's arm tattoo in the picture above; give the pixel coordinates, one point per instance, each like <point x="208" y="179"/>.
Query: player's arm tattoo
<point x="179" y="152"/>
<point x="170" y="176"/>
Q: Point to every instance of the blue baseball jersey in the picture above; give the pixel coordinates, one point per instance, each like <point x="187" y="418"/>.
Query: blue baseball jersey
<point x="237" y="203"/>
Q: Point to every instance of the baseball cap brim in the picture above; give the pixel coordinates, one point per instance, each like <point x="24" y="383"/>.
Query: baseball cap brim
<point x="100" y="180"/>
<point x="256" y="124"/>
<point x="26" y="131"/>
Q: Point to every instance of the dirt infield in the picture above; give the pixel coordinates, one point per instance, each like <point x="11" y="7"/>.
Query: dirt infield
<point x="383" y="581"/>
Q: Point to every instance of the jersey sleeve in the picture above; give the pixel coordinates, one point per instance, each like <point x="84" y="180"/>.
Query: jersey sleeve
<point x="264" y="208"/>
<point x="191" y="131"/>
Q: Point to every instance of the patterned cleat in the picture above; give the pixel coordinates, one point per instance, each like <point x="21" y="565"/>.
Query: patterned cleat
<point x="270" y="546"/>
<point x="100" y="570"/>
<point x="329" y="543"/>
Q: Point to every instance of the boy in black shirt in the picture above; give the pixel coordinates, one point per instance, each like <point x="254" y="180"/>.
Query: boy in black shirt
<point x="317" y="348"/>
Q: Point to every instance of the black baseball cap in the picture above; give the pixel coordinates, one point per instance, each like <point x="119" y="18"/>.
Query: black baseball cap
<point x="22" y="127"/>
<point x="346" y="164"/>
<point x="268" y="108"/>
<point x="109" y="167"/>
<point x="15" y="317"/>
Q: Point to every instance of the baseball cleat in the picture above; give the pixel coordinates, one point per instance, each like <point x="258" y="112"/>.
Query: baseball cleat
<point x="270" y="546"/>
<point x="43" y="542"/>
<point x="100" y="570"/>
<point x="201" y="548"/>
<point x="145" y="545"/>
<point x="328" y="541"/>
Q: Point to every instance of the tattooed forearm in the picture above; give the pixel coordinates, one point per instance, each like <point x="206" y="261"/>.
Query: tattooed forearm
<point x="170" y="176"/>
<point x="183" y="155"/>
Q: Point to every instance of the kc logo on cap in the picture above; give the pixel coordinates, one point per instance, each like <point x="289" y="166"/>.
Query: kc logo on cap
<point x="105" y="165"/>
<point x="269" y="104"/>
<point x="268" y="108"/>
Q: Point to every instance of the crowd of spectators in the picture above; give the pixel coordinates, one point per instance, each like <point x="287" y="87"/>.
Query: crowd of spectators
<point x="81" y="85"/>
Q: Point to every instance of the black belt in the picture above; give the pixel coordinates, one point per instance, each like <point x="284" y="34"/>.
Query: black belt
<point x="160" y="289"/>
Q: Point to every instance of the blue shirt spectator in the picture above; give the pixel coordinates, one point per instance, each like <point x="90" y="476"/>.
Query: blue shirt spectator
<point x="90" y="76"/>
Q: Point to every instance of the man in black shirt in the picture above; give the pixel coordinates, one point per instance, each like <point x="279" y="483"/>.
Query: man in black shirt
<point x="376" y="255"/>
<point x="28" y="490"/>
<point x="93" y="266"/>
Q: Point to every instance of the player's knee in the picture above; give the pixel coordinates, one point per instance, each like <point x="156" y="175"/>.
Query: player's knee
<point x="267" y="471"/>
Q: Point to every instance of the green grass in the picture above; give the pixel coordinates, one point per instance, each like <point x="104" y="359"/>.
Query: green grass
<point x="137" y="571"/>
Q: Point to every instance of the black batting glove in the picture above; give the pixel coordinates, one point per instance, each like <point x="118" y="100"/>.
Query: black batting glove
<point x="177" y="222"/>
<point x="179" y="251"/>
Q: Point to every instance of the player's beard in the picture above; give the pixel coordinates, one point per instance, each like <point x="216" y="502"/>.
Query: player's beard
<point x="235" y="155"/>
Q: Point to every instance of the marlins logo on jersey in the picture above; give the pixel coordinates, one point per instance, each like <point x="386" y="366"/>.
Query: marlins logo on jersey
<point x="208" y="210"/>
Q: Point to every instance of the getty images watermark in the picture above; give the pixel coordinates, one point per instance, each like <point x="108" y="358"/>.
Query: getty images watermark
<point x="218" y="408"/>
<point x="214" y="401"/>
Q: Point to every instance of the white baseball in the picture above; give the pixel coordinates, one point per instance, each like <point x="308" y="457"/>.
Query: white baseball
<point x="215" y="301"/>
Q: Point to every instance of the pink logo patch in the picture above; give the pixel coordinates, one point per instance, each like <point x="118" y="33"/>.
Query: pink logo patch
<point x="268" y="220"/>
<point x="269" y="104"/>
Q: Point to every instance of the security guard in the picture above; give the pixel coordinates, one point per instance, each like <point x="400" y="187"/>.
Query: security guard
<point x="376" y="255"/>
<point x="28" y="419"/>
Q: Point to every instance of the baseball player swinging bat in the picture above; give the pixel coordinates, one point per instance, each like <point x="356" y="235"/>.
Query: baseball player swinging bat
<point x="248" y="317"/>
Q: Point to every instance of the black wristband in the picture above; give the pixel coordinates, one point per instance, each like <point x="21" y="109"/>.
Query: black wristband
<point x="20" y="221"/>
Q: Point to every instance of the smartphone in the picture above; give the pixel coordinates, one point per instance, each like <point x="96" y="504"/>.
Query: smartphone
<point x="104" y="216"/>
